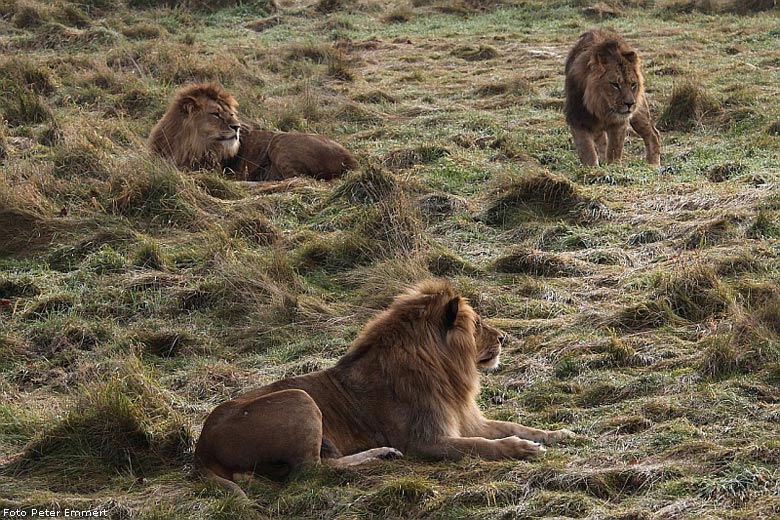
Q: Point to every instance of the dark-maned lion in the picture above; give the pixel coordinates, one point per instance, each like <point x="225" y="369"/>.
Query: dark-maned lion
<point x="407" y="383"/>
<point x="604" y="93"/>
<point x="201" y="129"/>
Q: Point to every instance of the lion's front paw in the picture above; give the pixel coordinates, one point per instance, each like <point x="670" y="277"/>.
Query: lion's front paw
<point x="389" y="453"/>
<point x="556" y="436"/>
<point x="516" y="448"/>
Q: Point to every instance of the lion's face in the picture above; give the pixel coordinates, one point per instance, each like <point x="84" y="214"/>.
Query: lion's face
<point x="618" y="82"/>
<point x="620" y="87"/>
<point x="217" y="124"/>
<point x="489" y="342"/>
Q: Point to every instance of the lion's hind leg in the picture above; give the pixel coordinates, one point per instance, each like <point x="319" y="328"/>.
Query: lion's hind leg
<point x="275" y="435"/>
<point x="643" y="125"/>
<point x="364" y="456"/>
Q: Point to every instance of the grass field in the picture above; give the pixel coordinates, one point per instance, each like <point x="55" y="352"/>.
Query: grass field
<point x="642" y="304"/>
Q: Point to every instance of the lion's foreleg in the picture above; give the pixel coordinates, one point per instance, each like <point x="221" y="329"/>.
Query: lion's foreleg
<point x="454" y="448"/>
<point x="643" y="125"/>
<point x="500" y="429"/>
<point x="600" y="140"/>
<point x="586" y="148"/>
<point x="617" y="137"/>
<point x="364" y="456"/>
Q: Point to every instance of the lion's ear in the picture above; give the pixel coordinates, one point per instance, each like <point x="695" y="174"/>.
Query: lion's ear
<point x="451" y="312"/>
<point x="188" y="105"/>
<point x="630" y="56"/>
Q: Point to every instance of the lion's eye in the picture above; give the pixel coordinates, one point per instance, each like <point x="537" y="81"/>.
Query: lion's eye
<point x="633" y="86"/>
<point x="216" y="114"/>
<point x="616" y="86"/>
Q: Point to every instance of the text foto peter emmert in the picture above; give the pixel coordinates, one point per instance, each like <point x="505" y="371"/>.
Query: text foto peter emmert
<point x="55" y="513"/>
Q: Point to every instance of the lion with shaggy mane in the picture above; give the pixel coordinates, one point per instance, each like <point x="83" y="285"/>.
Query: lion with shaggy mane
<point x="201" y="129"/>
<point x="408" y="383"/>
<point x="604" y="94"/>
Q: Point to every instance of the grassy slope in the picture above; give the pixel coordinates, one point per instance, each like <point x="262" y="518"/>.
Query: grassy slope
<point x="643" y="304"/>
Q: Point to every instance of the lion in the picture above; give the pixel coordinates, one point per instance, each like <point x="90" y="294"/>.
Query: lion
<point x="407" y="385"/>
<point x="201" y="129"/>
<point x="604" y="94"/>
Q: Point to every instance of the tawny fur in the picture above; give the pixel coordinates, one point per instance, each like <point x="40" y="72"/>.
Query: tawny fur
<point x="194" y="134"/>
<point x="408" y="382"/>
<point x="275" y="156"/>
<point x="604" y="94"/>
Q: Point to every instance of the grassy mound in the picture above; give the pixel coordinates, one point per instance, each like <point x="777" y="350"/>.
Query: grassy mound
<point x="689" y="106"/>
<point x="540" y="194"/>
<point x="123" y="423"/>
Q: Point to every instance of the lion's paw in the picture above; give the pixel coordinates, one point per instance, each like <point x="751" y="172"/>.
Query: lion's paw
<point x="389" y="453"/>
<point x="556" y="436"/>
<point x="517" y="448"/>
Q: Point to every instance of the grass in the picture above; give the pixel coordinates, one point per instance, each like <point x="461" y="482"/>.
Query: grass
<point x="641" y="304"/>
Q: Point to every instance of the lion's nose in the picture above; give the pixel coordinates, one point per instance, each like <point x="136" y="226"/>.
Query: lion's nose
<point x="629" y="104"/>
<point x="502" y="339"/>
<point x="235" y="128"/>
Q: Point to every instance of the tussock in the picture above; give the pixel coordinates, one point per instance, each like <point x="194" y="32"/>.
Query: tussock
<point x="405" y="158"/>
<point x="254" y="228"/>
<point x="648" y="314"/>
<point x="331" y="6"/>
<point x="23" y="232"/>
<point x="537" y="263"/>
<point x="726" y="171"/>
<point x="515" y="86"/>
<point x="162" y="195"/>
<point x="121" y="423"/>
<point x="694" y="293"/>
<point x="605" y="484"/>
<point x="263" y="24"/>
<point x="375" y="97"/>
<point x="688" y="107"/>
<point x="21" y="106"/>
<point x="164" y="342"/>
<point x="400" y="14"/>
<point x="479" y="53"/>
<point x="368" y="185"/>
<point x="149" y="254"/>
<point x="544" y="194"/>
<point x="436" y="206"/>
<point x="713" y="232"/>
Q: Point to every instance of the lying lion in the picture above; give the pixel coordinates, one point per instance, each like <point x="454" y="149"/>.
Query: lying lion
<point x="201" y="129"/>
<point x="408" y="383"/>
<point x="604" y="93"/>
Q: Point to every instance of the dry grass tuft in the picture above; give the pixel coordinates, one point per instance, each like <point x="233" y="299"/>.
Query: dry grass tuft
<point x="405" y="158"/>
<point x="726" y="171"/>
<point x="646" y="315"/>
<point x="544" y="194"/>
<point x="23" y="232"/>
<point x="400" y="14"/>
<point x="121" y="423"/>
<point x="694" y="292"/>
<point x="688" y="107"/>
<point x="478" y="53"/>
<point x="254" y="228"/>
<point x="522" y="260"/>
<point x="516" y="87"/>
<point x="375" y="97"/>
<point x="712" y="232"/>
<point x="331" y="6"/>
<point x="369" y="185"/>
